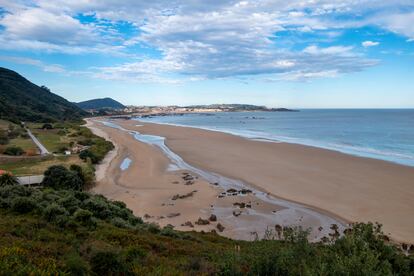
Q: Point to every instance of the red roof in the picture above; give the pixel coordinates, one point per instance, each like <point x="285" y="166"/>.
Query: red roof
<point x="4" y="172"/>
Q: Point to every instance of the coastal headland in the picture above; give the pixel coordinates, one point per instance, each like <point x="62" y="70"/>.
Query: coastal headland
<point x="287" y="184"/>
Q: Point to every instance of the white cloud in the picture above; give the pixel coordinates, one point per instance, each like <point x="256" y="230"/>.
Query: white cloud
<point x="400" y="23"/>
<point x="54" y="68"/>
<point x="369" y="43"/>
<point x="205" y="39"/>
<point x="333" y="50"/>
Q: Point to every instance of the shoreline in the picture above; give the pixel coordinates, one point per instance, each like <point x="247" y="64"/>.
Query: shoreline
<point x="194" y="148"/>
<point x="354" y="188"/>
<point x="354" y="153"/>
<point x="257" y="214"/>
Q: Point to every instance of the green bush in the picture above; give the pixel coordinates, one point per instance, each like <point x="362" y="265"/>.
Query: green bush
<point x="53" y="211"/>
<point x="84" y="217"/>
<point x="58" y="177"/>
<point x="75" y="265"/>
<point x="70" y="203"/>
<point x="4" y="138"/>
<point x="23" y="205"/>
<point x="65" y="246"/>
<point x="119" y="222"/>
<point x="47" y="126"/>
<point x="88" y="154"/>
<point x="15" y="151"/>
<point x="8" y="179"/>
<point x="107" y="263"/>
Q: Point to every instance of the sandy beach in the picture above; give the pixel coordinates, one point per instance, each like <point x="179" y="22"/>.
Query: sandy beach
<point x="338" y="186"/>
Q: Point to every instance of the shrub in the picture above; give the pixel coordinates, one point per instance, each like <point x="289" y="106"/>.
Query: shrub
<point x="15" y="151"/>
<point x="133" y="253"/>
<point x="119" y="222"/>
<point x="47" y="126"/>
<point x="23" y="205"/>
<point x="4" y="139"/>
<point x="8" y="179"/>
<point x="53" y="211"/>
<point x="62" y="220"/>
<point x="24" y="135"/>
<point x="58" y="177"/>
<point x="86" y="142"/>
<point x="84" y="217"/>
<point x="75" y="265"/>
<point x="107" y="263"/>
<point x="70" y="203"/>
<point x="168" y="231"/>
<point x="87" y="154"/>
<point x="153" y="228"/>
<point x="78" y="170"/>
<point x="14" y="133"/>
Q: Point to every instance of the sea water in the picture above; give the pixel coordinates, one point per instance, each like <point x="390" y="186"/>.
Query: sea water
<point x="386" y="134"/>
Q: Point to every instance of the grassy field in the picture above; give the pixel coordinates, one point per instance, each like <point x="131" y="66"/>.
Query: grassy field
<point x="36" y="166"/>
<point x="26" y="144"/>
<point x="50" y="139"/>
<point x="5" y="124"/>
<point x="23" y="142"/>
<point x="61" y="136"/>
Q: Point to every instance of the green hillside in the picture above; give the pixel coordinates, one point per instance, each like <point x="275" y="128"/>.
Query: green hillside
<point x="64" y="232"/>
<point x="21" y="100"/>
<point x="101" y="104"/>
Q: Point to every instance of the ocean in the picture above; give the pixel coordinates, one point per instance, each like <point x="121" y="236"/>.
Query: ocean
<point x="386" y="134"/>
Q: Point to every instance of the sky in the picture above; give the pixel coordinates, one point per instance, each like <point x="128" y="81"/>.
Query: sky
<point x="297" y="53"/>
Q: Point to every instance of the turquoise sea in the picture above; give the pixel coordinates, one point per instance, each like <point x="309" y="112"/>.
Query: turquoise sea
<point x="386" y="134"/>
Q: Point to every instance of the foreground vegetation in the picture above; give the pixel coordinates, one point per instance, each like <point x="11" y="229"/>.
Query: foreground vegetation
<point x="70" y="232"/>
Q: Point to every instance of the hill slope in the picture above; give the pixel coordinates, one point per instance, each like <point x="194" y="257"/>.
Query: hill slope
<point x="100" y="104"/>
<point x="21" y="100"/>
<point x="56" y="232"/>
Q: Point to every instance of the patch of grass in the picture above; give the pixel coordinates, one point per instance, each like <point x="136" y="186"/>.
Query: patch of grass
<point x="50" y="139"/>
<point x="25" y="143"/>
<point x="36" y="166"/>
<point x="5" y="124"/>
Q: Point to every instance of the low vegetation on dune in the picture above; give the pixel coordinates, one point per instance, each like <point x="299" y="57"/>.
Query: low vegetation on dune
<point x="61" y="229"/>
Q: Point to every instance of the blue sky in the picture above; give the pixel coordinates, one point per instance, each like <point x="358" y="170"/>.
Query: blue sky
<point x="309" y="54"/>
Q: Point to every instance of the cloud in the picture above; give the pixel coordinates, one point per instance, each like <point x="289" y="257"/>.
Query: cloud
<point x="369" y="43"/>
<point x="54" y="68"/>
<point x="205" y="39"/>
<point x="400" y="23"/>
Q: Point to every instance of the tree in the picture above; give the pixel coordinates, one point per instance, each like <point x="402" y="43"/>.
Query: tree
<point x="85" y="154"/>
<point x="44" y="87"/>
<point x="47" y="126"/>
<point x="78" y="170"/>
<point x="58" y="177"/>
<point x="7" y="179"/>
<point x="4" y="138"/>
<point x="13" y="151"/>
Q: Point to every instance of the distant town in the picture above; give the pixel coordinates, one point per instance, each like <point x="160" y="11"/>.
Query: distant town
<point x="178" y="110"/>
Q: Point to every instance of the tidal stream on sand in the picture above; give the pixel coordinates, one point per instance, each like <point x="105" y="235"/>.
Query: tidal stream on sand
<point x="288" y="213"/>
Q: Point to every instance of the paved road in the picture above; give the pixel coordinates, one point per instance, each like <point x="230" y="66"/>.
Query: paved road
<point x="43" y="150"/>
